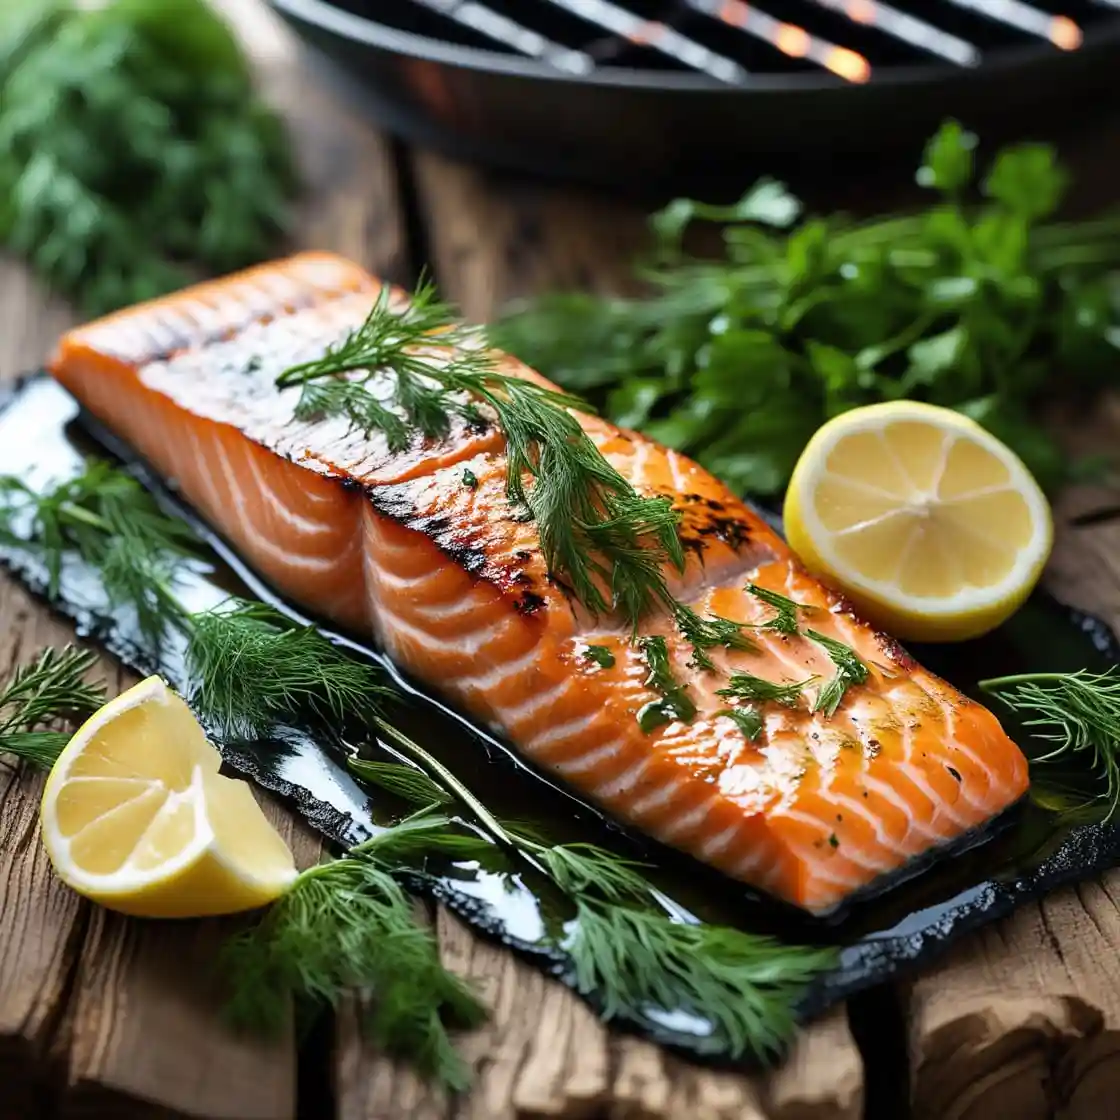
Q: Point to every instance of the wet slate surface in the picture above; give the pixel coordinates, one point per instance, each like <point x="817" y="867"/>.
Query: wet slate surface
<point x="1028" y="852"/>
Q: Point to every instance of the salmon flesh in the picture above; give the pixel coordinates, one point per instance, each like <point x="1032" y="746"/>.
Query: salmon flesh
<point x="421" y="550"/>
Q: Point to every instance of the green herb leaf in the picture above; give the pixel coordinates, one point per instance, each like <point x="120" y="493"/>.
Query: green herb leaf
<point x="49" y="689"/>
<point x="594" y="527"/>
<point x="746" y="984"/>
<point x="704" y="634"/>
<point x="255" y="667"/>
<point x="1078" y="712"/>
<point x="600" y="655"/>
<point x="785" y="621"/>
<point x="133" y="149"/>
<point x="346" y="925"/>
<point x="675" y="702"/>
<point x="746" y="686"/>
<point x="969" y="300"/>
<point x="748" y="720"/>
<point x="850" y="670"/>
<point x="113" y="524"/>
<point x="406" y="782"/>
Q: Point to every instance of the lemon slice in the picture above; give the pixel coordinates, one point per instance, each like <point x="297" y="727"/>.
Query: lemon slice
<point x="927" y="522"/>
<point x="136" y="816"/>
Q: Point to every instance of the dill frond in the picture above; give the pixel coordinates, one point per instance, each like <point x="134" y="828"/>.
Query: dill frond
<point x="599" y="536"/>
<point x="1078" y="712"/>
<point x="850" y="670"/>
<point x="746" y="686"/>
<point x="253" y="667"/>
<point x="785" y="621"/>
<point x="748" y="720"/>
<point x="675" y="702"/>
<point x="704" y="634"/>
<point x="746" y="985"/>
<point x="49" y="689"/>
<point x="107" y="518"/>
<point x="344" y="925"/>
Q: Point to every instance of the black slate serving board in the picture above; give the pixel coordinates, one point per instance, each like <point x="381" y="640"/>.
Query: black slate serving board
<point x="44" y="438"/>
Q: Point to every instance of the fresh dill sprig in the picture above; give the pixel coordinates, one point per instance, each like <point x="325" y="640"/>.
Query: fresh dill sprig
<point x="850" y="670"/>
<point x="785" y="621"/>
<point x="109" y="519"/>
<point x="704" y="634"/>
<point x="675" y="702"/>
<point x="599" y="536"/>
<point x="48" y="689"/>
<point x="406" y="782"/>
<point x="746" y="686"/>
<point x="347" y="924"/>
<point x="254" y="667"/>
<point x="748" y="719"/>
<point x="1078" y="712"/>
<point x="747" y="985"/>
<point x="635" y="956"/>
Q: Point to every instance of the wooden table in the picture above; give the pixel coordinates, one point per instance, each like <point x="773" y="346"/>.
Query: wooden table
<point x="103" y="1017"/>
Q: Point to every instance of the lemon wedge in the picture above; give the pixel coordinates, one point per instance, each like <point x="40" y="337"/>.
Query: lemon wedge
<point x="929" y="524"/>
<point x="135" y="816"/>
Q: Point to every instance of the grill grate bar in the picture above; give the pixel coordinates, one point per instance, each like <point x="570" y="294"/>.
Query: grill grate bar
<point x="1062" y="31"/>
<point x="907" y="29"/>
<point x="788" y="38"/>
<point x="511" y="34"/>
<point x="656" y="36"/>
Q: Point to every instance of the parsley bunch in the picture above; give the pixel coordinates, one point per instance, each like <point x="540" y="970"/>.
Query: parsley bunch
<point x="134" y="153"/>
<point x="979" y="303"/>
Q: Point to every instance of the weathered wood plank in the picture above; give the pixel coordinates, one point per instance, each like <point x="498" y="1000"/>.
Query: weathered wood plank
<point x="41" y="922"/>
<point x="147" y="1034"/>
<point x="1023" y="1018"/>
<point x="544" y="1053"/>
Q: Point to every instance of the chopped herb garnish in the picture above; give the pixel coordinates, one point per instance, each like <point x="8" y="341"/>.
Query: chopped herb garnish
<point x="675" y="702"/>
<point x="785" y="621"/>
<point x="470" y="479"/>
<point x="850" y="670"/>
<point x="601" y="655"/>
<point x="746" y="686"/>
<point x="833" y="841"/>
<point x="748" y="720"/>
<point x="704" y="634"/>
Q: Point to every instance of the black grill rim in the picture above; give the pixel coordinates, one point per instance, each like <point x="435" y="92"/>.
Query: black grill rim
<point x="368" y="32"/>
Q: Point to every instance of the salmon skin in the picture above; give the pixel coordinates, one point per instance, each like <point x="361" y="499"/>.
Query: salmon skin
<point x="421" y="550"/>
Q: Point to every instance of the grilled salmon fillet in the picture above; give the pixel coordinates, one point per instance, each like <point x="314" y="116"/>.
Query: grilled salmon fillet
<point x="421" y="550"/>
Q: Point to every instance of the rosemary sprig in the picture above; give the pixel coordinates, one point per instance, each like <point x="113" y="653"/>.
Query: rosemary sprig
<point x="635" y="956"/>
<point x="746" y="686"/>
<point x="785" y="621"/>
<point x="850" y="670"/>
<point x="675" y="702"/>
<point x="255" y="667"/>
<point x="1078" y="712"/>
<point x="347" y="924"/>
<point x="49" y="689"/>
<point x="599" y="536"/>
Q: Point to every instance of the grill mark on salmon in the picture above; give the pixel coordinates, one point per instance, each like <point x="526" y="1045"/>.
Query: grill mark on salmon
<point x="450" y="581"/>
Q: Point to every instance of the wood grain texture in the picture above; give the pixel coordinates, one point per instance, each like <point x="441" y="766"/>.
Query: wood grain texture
<point x="1023" y="1018"/>
<point x="544" y="1053"/>
<point x="147" y="1034"/>
<point x="41" y="922"/>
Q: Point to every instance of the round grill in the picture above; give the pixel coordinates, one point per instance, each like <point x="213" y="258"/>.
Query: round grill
<point x="679" y="90"/>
